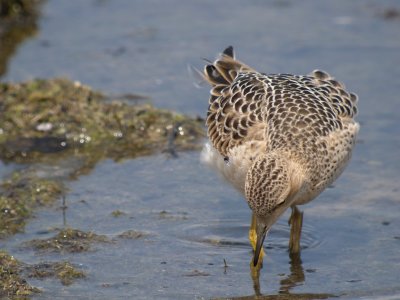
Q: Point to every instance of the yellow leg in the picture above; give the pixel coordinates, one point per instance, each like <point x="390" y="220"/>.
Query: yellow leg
<point x="295" y="222"/>
<point x="253" y="242"/>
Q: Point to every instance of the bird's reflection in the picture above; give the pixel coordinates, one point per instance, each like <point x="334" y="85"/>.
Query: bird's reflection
<point x="296" y="275"/>
<point x="295" y="278"/>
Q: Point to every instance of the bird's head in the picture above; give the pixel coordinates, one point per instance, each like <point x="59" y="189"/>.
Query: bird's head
<point x="271" y="183"/>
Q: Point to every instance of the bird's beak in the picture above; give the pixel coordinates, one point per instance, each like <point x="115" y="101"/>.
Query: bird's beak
<point x="261" y="233"/>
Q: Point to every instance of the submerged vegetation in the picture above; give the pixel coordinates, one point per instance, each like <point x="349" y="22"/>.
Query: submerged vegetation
<point x="58" y="121"/>
<point x="11" y="282"/>
<point x="20" y="194"/>
<point x="64" y="271"/>
<point x="18" y="21"/>
<point x="47" y="116"/>
<point x="18" y="10"/>
<point x="68" y="241"/>
<point x="60" y="129"/>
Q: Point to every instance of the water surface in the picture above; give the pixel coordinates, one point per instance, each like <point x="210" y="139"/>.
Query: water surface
<point x="192" y="220"/>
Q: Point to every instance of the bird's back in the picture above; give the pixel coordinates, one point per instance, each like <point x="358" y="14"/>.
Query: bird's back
<point x="307" y="118"/>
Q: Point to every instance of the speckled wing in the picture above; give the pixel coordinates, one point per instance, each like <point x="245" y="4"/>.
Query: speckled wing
<point x="311" y="119"/>
<point x="335" y="148"/>
<point x="309" y="116"/>
<point x="235" y="111"/>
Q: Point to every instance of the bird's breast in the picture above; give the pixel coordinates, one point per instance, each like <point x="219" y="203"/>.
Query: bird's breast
<point x="235" y="166"/>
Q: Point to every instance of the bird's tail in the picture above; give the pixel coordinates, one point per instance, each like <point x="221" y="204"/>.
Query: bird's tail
<point x="224" y="70"/>
<point x="344" y="102"/>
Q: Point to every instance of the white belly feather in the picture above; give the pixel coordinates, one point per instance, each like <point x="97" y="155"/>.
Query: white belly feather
<point x="234" y="168"/>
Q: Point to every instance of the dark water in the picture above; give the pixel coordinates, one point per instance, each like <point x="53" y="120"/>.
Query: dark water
<point x="193" y="220"/>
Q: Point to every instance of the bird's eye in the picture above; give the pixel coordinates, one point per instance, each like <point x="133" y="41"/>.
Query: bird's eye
<point x="226" y="159"/>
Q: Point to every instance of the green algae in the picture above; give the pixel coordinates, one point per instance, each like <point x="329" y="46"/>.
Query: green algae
<point x="64" y="271"/>
<point x="18" y="21"/>
<point x="58" y="124"/>
<point x="12" y="271"/>
<point x="56" y="121"/>
<point x="133" y="235"/>
<point x="117" y="213"/>
<point x="48" y="116"/>
<point x="11" y="282"/>
<point x="17" y="9"/>
<point x="68" y="240"/>
<point x="20" y="194"/>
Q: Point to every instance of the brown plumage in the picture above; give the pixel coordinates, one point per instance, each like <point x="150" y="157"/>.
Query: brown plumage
<point x="281" y="139"/>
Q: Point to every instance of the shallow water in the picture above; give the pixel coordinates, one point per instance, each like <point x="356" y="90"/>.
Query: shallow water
<point x="193" y="220"/>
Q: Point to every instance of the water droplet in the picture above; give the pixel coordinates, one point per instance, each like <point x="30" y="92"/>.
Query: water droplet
<point x="44" y="126"/>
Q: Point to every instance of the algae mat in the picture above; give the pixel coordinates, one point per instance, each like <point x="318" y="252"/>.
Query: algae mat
<point x="46" y="124"/>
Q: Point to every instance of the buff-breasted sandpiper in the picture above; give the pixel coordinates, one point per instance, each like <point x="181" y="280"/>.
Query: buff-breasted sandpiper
<point x="280" y="139"/>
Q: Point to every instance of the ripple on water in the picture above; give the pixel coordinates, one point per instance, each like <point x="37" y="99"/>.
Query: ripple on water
<point x="233" y="233"/>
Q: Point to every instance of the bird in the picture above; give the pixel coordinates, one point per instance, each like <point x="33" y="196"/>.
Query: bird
<point x="280" y="139"/>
